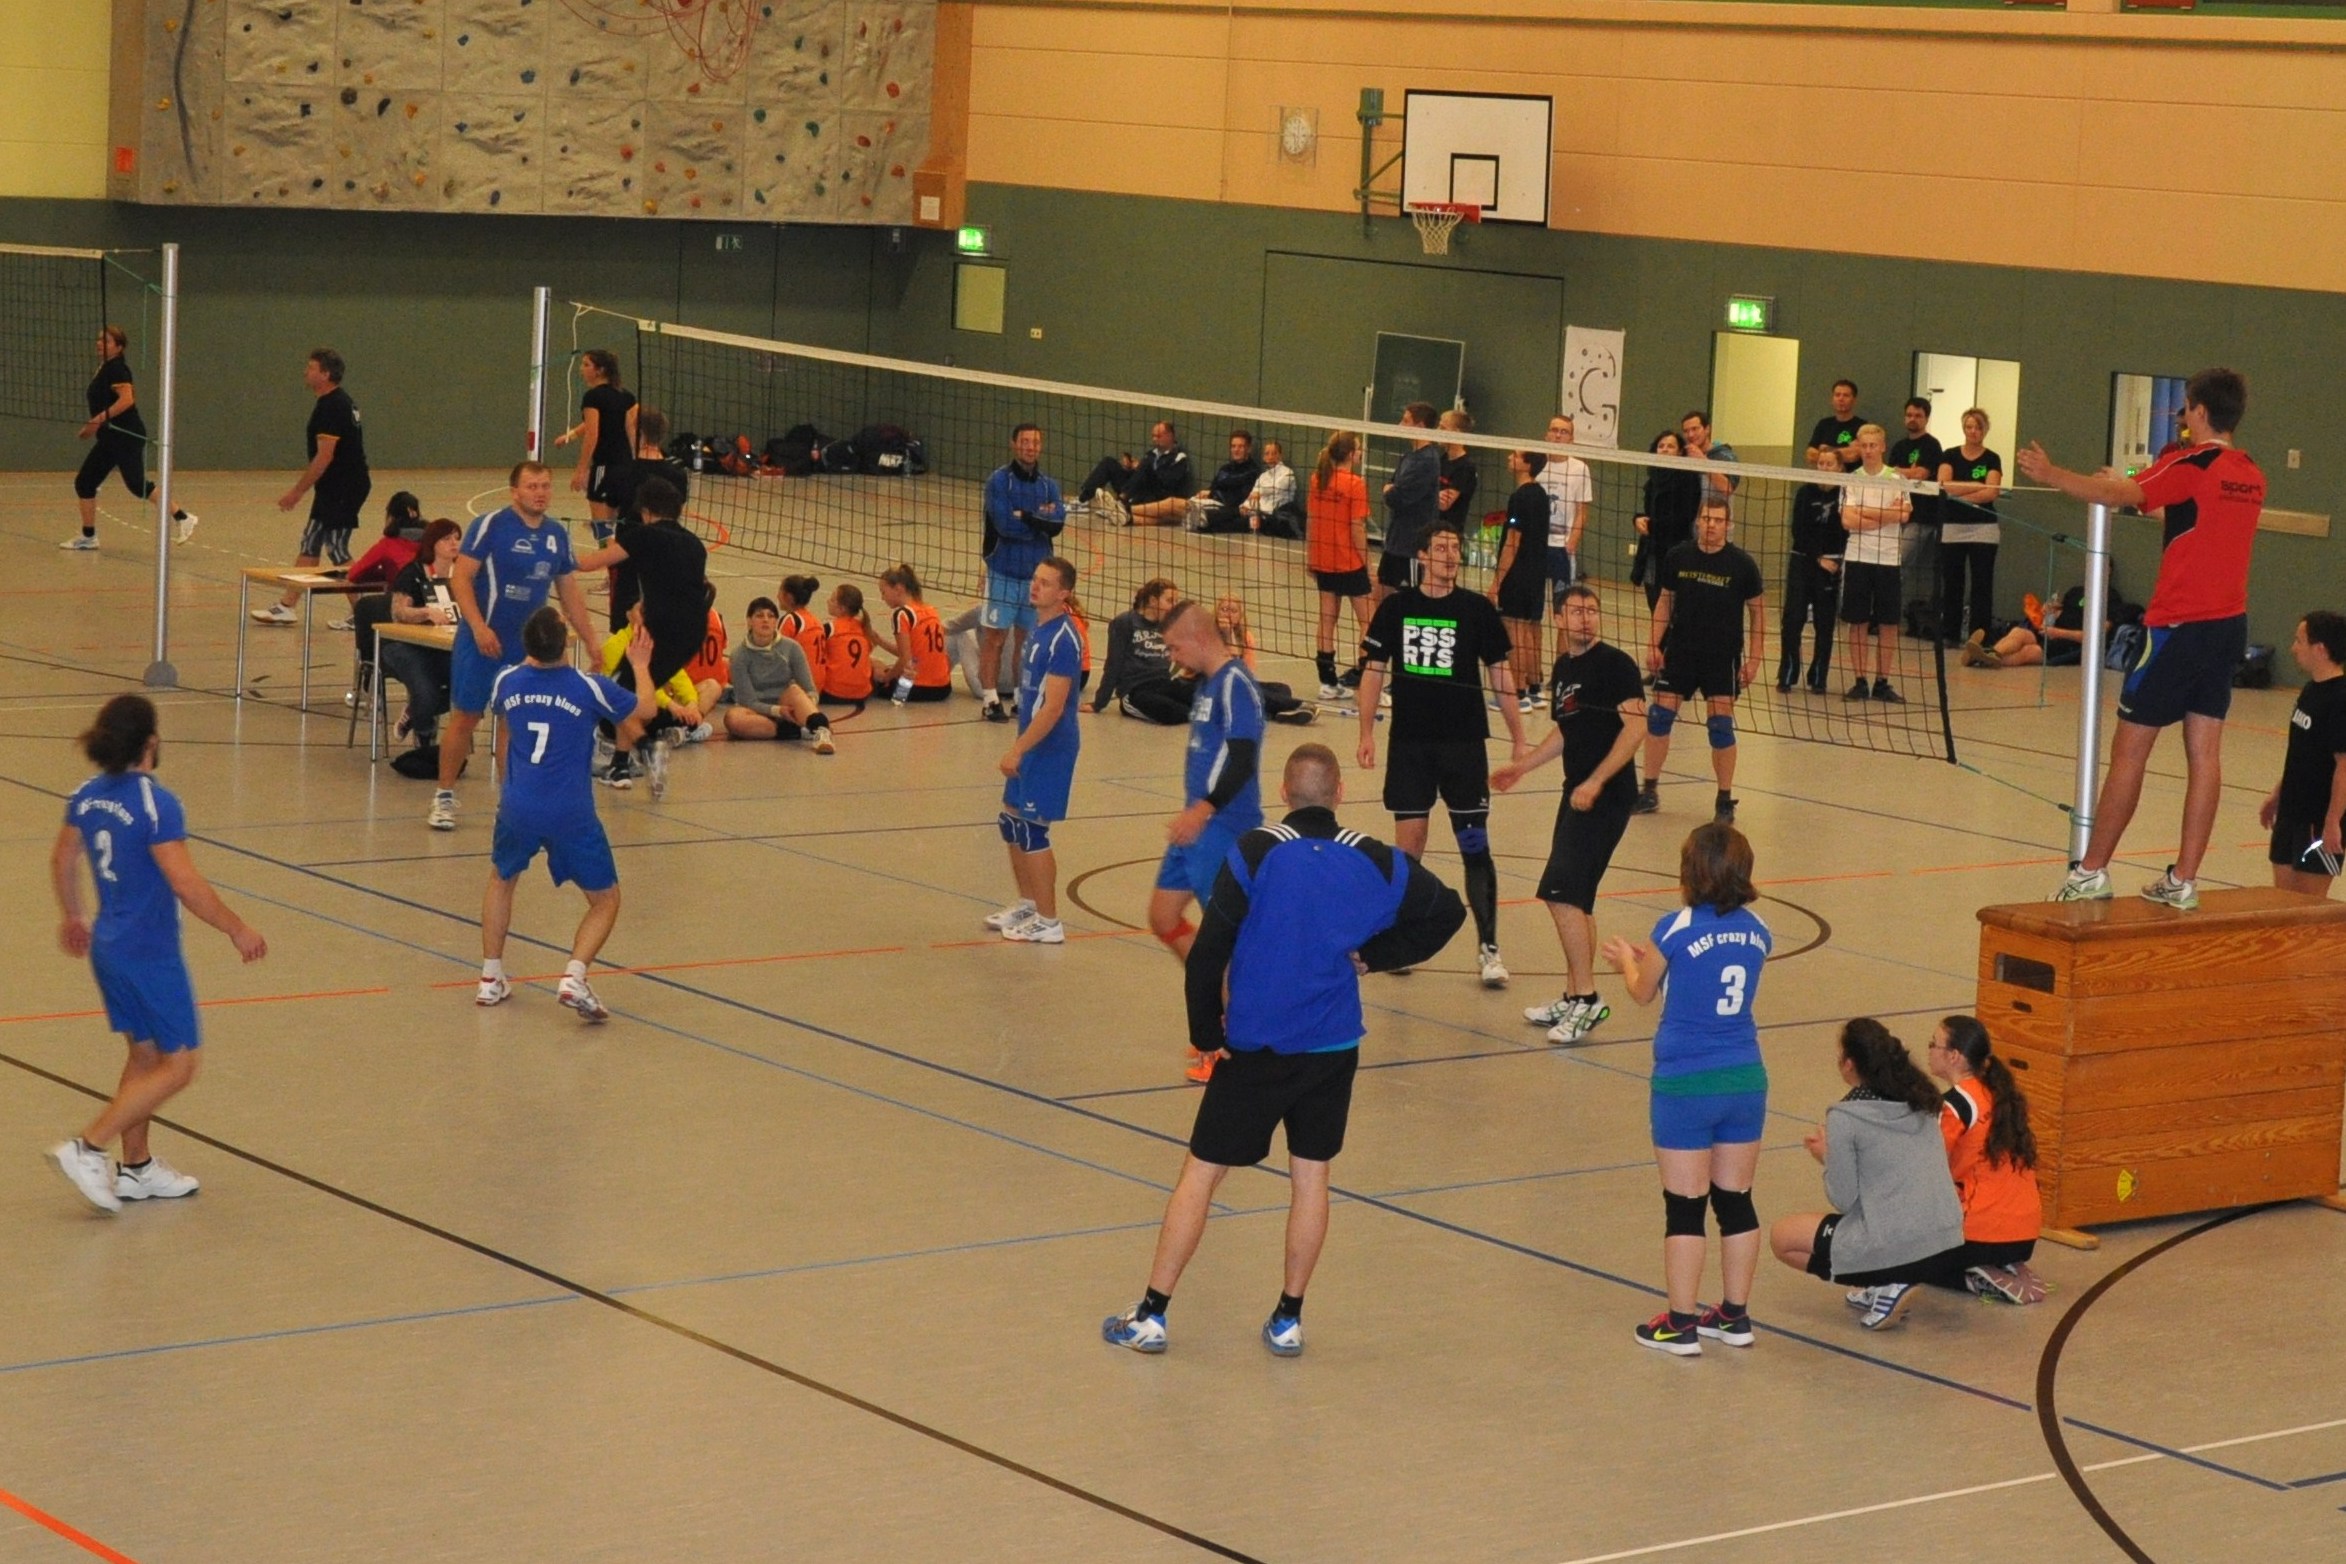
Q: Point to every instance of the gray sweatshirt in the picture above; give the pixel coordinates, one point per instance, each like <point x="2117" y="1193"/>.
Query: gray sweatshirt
<point x="1886" y="1173"/>
<point x="762" y="673"/>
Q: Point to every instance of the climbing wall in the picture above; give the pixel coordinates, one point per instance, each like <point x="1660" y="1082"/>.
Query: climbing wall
<point x="797" y="110"/>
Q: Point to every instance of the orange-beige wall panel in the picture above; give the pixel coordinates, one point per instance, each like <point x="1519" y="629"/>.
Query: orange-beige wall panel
<point x="1181" y="164"/>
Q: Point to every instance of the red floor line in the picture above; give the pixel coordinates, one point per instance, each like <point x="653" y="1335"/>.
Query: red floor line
<point x="80" y="1539"/>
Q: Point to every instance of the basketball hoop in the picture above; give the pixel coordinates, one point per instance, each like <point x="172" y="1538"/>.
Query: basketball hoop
<point x="1436" y="220"/>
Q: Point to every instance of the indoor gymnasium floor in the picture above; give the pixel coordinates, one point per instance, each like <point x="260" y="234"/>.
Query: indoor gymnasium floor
<point x="803" y="1255"/>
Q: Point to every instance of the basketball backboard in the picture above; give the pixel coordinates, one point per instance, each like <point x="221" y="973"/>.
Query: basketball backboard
<point x="1487" y="149"/>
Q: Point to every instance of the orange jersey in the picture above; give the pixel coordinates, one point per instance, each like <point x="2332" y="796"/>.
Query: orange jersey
<point x="807" y="631"/>
<point x="922" y="635"/>
<point x="845" y="671"/>
<point x="710" y="661"/>
<point x="2000" y="1204"/>
<point x="1333" y="512"/>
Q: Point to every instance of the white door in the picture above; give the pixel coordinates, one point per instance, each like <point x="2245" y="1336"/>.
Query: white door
<point x="1755" y="391"/>
<point x="1955" y="382"/>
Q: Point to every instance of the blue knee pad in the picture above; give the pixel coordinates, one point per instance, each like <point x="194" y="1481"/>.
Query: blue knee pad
<point x="1660" y="719"/>
<point x="1028" y="836"/>
<point x="1472" y="839"/>
<point x="1722" y="729"/>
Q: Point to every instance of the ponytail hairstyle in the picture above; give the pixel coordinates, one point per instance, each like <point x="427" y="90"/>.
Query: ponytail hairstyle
<point x="1339" y="450"/>
<point x="606" y="364"/>
<point x="2010" y="1140"/>
<point x="900" y="576"/>
<point x="1884" y="1067"/>
<point x="403" y="511"/>
<point x="849" y="597"/>
<point x="799" y="591"/>
<point x="118" y="740"/>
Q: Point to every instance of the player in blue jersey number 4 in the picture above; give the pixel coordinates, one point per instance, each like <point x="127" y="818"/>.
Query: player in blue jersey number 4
<point x="133" y="834"/>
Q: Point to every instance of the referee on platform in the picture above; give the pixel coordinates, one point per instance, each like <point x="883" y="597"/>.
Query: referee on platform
<point x="1299" y="911"/>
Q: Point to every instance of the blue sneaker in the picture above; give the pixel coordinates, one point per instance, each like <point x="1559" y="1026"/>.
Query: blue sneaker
<point x="1141" y="1332"/>
<point x="1283" y="1336"/>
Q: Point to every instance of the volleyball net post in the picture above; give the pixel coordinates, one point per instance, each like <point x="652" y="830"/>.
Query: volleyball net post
<point x="2089" y="694"/>
<point x="161" y="675"/>
<point x="540" y="324"/>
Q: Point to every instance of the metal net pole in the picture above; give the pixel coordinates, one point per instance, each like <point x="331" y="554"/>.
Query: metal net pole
<point x="2089" y="693"/>
<point x="160" y="674"/>
<point x="541" y="310"/>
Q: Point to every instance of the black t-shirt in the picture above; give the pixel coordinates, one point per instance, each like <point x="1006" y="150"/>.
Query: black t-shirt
<point x="1460" y="473"/>
<point x="1434" y="650"/>
<point x="1919" y="450"/>
<point x="2317" y="737"/>
<point x="1707" y="594"/>
<point x="1970" y="469"/>
<point x="112" y="374"/>
<point x="670" y="566"/>
<point x="1585" y="695"/>
<point x="415" y="583"/>
<point x="343" y="486"/>
<point x="1838" y="434"/>
<point x="626" y="483"/>
<point x="1527" y="522"/>
<point x="611" y="406"/>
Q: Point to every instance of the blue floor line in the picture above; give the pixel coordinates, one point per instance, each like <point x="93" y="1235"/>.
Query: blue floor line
<point x="2186" y="1457"/>
<point x="286" y="1334"/>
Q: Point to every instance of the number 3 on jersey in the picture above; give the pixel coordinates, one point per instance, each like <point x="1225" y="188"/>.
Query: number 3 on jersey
<point x="1731" y="981"/>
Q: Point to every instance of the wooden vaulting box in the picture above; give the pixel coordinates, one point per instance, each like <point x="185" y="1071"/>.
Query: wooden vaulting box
<point x="2173" y="1061"/>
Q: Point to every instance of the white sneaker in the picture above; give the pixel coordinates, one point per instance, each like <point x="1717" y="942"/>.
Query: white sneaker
<point x="493" y="991"/>
<point x="1888" y="1306"/>
<point x="1035" y="929"/>
<point x="2084" y="885"/>
<point x="80" y="543"/>
<point x="700" y="734"/>
<point x="1494" y="970"/>
<point x="2167" y="891"/>
<point x="823" y="743"/>
<point x="1553" y="1012"/>
<point x="574" y="993"/>
<point x="656" y="769"/>
<point x="1109" y="506"/>
<point x="1332" y="692"/>
<point x="1283" y="1337"/>
<point x="1859" y="1298"/>
<point x="158" y="1180"/>
<point x="87" y="1171"/>
<point x="1016" y="912"/>
<point x="1141" y="1332"/>
<point x="275" y="614"/>
<point x="344" y="624"/>
<point x="1583" y="1020"/>
<point x="443" y="813"/>
<point x="187" y="520"/>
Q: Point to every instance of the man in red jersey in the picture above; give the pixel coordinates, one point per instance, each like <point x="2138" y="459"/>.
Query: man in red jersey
<point x="2212" y="496"/>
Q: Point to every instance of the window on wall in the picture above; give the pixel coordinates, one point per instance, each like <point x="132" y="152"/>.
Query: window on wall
<point x="2146" y="413"/>
<point x="979" y="292"/>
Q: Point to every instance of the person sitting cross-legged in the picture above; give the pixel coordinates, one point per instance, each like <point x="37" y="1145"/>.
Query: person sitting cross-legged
<point x="774" y="695"/>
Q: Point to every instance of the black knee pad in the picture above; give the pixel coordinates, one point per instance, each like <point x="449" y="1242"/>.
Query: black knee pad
<point x="1736" y="1213"/>
<point x="1683" y="1215"/>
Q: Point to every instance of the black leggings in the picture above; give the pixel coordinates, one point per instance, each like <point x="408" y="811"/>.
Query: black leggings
<point x="1160" y="699"/>
<point x="114" y="453"/>
<point x="1811" y="593"/>
<point x="1978" y="562"/>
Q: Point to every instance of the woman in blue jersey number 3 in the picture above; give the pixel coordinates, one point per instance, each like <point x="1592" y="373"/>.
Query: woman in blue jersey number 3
<point x="133" y="834"/>
<point x="1710" y="1090"/>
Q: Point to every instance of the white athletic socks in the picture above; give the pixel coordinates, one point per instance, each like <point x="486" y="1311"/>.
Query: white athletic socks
<point x="492" y="969"/>
<point x="576" y="969"/>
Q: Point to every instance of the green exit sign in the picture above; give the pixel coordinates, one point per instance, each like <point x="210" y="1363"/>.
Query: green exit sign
<point x="971" y="240"/>
<point x="1751" y="312"/>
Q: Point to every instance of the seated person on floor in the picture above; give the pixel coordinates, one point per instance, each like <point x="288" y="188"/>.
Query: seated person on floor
<point x="1221" y="505"/>
<point x="1139" y="673"/>
<point x="1156" y="492"/>
<point x="1992" y="1154"/>
<point x="774" y="694"/>
<point x="1275" y="507"/>
<point x="1279" y="702"/>
<point x="2059" y="643"/>
<point x="919" y="670"/>
<point x="844" y="669"/>
<point x="676" y="706"/>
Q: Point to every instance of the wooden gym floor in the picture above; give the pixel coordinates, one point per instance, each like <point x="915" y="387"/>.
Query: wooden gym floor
<point x="803" y="1255"/>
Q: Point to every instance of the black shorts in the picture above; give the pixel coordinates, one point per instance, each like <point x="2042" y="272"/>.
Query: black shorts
<point x="1943" y="1269"/>
<point x="1582" y="849"/>
<point x="2184" y="671"/>
<point x="1871" y="595"/>
<point x="1689" y="670"/>
<point x="1458" y="773"/>
<point x="1342" y="583"/>
<point x="1396" y="570"/>
<point x="2291" y="841"/>
<point x="110" y="452"/>
<point x="611" y="486"/>
<point x="1523" y="595"/>
<point x="1255" y="1090"/>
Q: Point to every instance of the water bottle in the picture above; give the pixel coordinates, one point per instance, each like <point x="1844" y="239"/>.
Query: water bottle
<point x="903" y="689"/>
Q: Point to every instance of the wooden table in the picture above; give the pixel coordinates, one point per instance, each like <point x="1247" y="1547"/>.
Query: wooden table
<point x="2173" y="1061"/>
<point x="436" y="638"/>
<point x="309" y="583"/>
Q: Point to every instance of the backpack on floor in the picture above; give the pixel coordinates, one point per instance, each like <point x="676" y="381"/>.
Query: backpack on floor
<point x="2256" y="669"/>
<point x="798" y="452"/>
<point x="884" y="450"/>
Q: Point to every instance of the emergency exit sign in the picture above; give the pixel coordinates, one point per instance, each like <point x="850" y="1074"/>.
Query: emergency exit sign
<point x="1751" y="312"/>
<point x="971" y="240"/>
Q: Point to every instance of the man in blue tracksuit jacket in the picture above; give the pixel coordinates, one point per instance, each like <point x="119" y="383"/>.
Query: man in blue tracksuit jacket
<point x="1299" y="911"/>
<point x="1023" y="515"/>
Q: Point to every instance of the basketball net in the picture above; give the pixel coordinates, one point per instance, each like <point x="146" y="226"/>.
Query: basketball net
<point x="1436" y="223"/>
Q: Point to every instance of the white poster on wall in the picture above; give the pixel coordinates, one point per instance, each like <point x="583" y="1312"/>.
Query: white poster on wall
<point x="1592" y="384"/>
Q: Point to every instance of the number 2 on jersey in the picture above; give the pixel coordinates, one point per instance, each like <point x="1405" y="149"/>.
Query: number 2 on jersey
<point x="104" y="842"/>
<point x="544" y="731"/>
<point x="1731" y="980"/>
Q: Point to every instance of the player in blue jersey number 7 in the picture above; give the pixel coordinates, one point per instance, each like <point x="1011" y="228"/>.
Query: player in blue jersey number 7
<point x="133" y="834"/>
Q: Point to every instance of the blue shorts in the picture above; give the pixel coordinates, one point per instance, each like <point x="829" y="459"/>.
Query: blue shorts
<point x="1706" y="1119"/>
<point x="1039" y="792"/>
<point x="471" y="672"/>
<point x="149" y="1000"/>
<point x="1007" y="606"/>
<point x="577" y="852"/>
<point x="1194" y="867"/>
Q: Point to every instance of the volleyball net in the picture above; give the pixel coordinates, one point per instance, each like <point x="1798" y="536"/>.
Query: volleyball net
<point x="52" y="302"/>
<point x="847" y="463"/>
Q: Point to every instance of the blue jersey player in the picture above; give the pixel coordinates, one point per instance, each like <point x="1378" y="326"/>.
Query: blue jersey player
<point x="1710" y="1089"/>
<point x="1040" y="765"/>
<point x="510" y="561"/>
<point x="546" y="713"/>
<point x="133" y="835"/>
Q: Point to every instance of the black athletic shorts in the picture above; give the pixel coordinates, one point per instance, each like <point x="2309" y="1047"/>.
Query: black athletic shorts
<point x="2292" y="844"/>
<point x="1457" y="773"/>
<point x="1342" y="583"/>
<point x="610" y="486"/>
<point x="1871" y="595"/>
<point x="1943" y="1269"/>
<point x="1254" y="1091"/>
<point x="1582" y="848"/>
<point x="1709" y="671"/>
<point x="111" y="452"/>
<point x="2184" y="671"/>
<point x="1397" y="570"/>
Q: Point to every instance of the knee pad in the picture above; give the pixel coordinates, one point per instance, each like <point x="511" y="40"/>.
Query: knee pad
<point x="1028" y="836"/>
<point x="1736" y="1212"/>
<point x="1683" y="1215"/>
<point x="1722" y="729"/>
<point x="1473" y="838"/>
<point x="1660" y="719"/>
<point x="1181" y="931"/>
